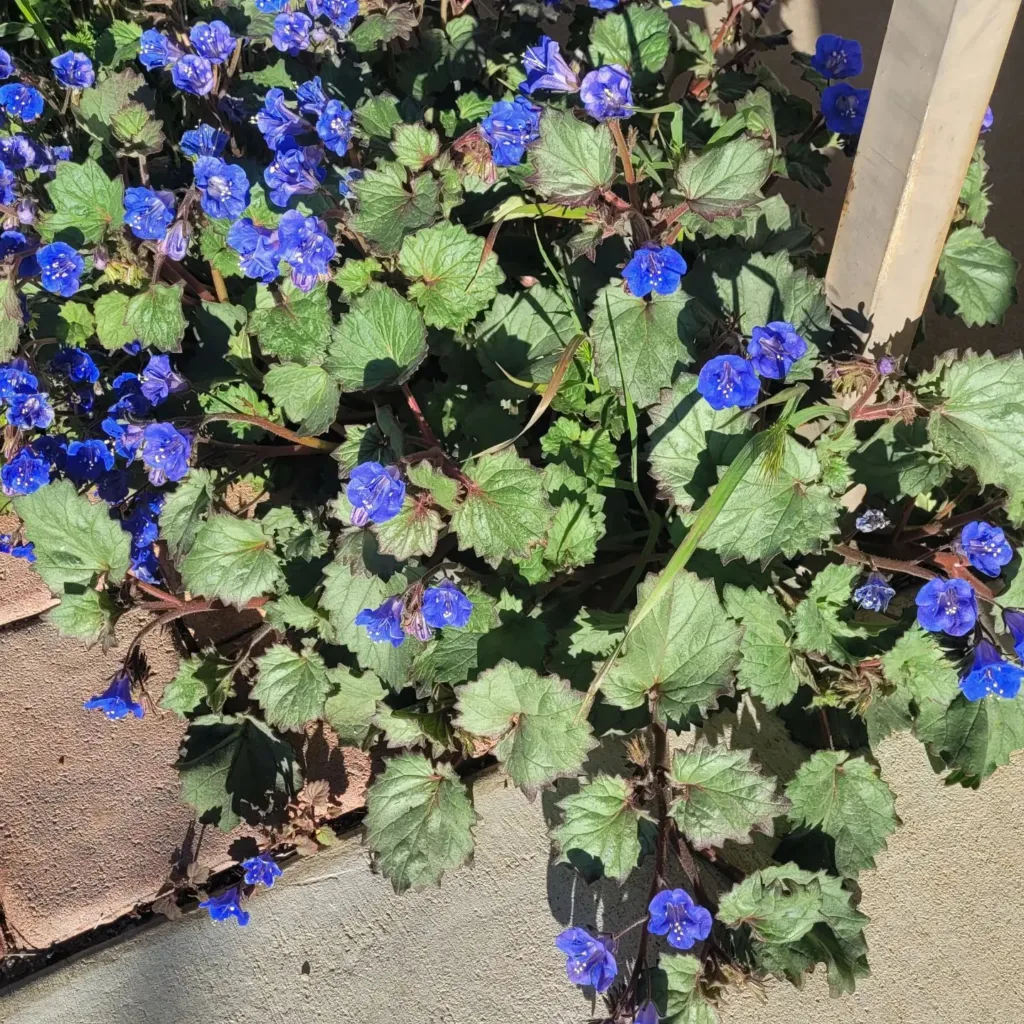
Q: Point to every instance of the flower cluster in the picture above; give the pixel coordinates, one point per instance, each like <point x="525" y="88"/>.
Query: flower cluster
<point x="259" y="870"/>
<point x="843" y="106"/>
<point x="417" y="613"/>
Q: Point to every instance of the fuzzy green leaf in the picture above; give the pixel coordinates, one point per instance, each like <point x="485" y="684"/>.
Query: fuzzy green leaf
<point x="918" y="667"/>
<point x="603" y="821"/>
<point x="725" y="179"/>
<point x="75" y="324"/>
<point x="847" y="799"/>
<point x="415" y="146"/>
<point x="350" y="709"/>
<point x="199" y="678"/>
<point x="291" y="686"/>
<point x="231" y="560"/>
<point x="450" y="283"/>
<point x="379" y="343"/>
<point x="75" y="539"/>
<point x="977" y="277"/>
<point x="574" y="161"/>
<point x="87" y="615"/>
<point x="86" y="203"/>
<point x="637" y="39"/>
<point x="818" y="625"/>
<point x="184" y="510"/>
<point x="720" y="795"/>
<point x="154" y="317"/>
<point x="679" y="977"/>
<point x="443" y="490"/>
<point x="306" y="394"/>
<point x="781" y="905"/>
<point x="419" y="821"/>
<point x="391" y="205"/>
<point x="296" y="329"/>
<point x="412" y="532"/>
<point x="684" y="650"/>
<point x="534" y="719"/>
<point x="11" y="319"/>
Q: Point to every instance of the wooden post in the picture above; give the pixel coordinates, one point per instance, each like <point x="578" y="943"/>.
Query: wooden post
<point x="935" y="76"/>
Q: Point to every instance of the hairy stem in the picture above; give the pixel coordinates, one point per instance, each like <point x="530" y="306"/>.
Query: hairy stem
<point x="271" y="427"/>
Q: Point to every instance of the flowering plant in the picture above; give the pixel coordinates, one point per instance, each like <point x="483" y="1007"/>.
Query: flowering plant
<point x="499" y="389"/>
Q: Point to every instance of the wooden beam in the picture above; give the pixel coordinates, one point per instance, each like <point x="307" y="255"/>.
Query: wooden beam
<point x="935" y="76"/>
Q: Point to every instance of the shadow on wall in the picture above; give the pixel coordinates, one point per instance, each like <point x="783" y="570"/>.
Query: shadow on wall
<point x="866" y="21"/>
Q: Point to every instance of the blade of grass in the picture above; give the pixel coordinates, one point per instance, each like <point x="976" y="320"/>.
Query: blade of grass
<point x="27" y="8"/>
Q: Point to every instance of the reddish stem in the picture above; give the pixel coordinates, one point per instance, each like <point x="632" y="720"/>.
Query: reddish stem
<point x="426" y="431"/>
<point x="161" y="595"/>
<point x="271" y="427"/>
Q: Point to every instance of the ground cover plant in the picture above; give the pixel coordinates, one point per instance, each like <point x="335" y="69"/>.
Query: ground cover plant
<point x="474" y="352"/>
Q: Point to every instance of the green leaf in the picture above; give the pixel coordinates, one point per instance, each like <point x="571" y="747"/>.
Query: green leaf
<point x="346" y="594"/>
<point x="75" y="540"/>
<point x="412" y="532"/>
<point x="977" y="420"/>
<point x="973" y="738"/>
<point x="654" y="338"/>
<point x="154" y="317"/>
<point x="769" y="666"/>
<point x="117" y="44"/>
<point x="977" y="277"/>
<point x="355" y="276"/>
<point x="306" y="394"/>
<point x="816" y="618"/>
<point x="505" y="514"/>
<point x="679" y="977"/>
<point x="588" y="451"/>
<point x="443" y="490"/>
<point x="721" y="795"/>
<point x="450" y="283"/>
<point x="379" y="343"/>
<point x="534" y="719"/>
<point x="575" y="531"/>
<point x="918" y="667"/>
<point x="199" y="678"/>
<point x="602" y="820"/>
<point x="237" y="397"/>
<point x="900" y="461"/>
<point x="974" y="192"/>
<point x="378" y="116"/>
<point x="725" y="179"/>
<point x="350" y="709"/>
<point x="574" y="162"/>
<point x="184" y="510"/>
<point x="397" y="21"/>
<point x="234" y="768"/>
<point x="781" y="904"/>
<point x="87" y="614"/>
<point x="297" y="328"/>
<point x="690" y="441"/>
<point x="11" y="319"/>
<point x="419" y="821"/>
<point x="273" y="76"/>
<point x="231" y="560"/>
<point x="390" y="206"/>
<point x="847" y="799"/>
<point x="138" y="131"/>
<point x="86" y="204"/>
<point x="786" y="513"/>
<point x="684" y="651"/>
<point x="415" y="146"/>
<point x="637" y="39"/>
<point x="98" y="106"/>
<point x="291" y="687"/>
<point x="75" y="324"/>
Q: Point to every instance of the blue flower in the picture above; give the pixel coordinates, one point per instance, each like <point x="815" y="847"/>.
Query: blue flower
<point x="19" y="152"/>
<point x="346" y="178"/>
<point x="24" y="473"/>
<point x="985" y="547"/>
<point x="148" y="213"/>
<point x="510" y="128"/>
<point x="258" y="249"/>
<point x="728" y="381"/>
<point x="291" y="32"/>
<point x="60" y="268"/>
<point x="130" y="399"/>
<point x="295" y="170"/>
<point x="53" y="450"/>
<point x="657" y="268"/>
<point x="81" y="400"/>
<point x="546" y="69"/>
<point x="174" y="245"/>
<point x="376" y="493"/>
<point x="158" y="379"/>
<point x="647" y="1014"/>
<point x="144" y="565"/>
<point x="165" y="453"/>
<point x="311" y="96"/>
<point x="156" y="50"/>
<point x="112" y="487"/>
<point x="127" y="438"/>
<point x="142" y="522"/>
<point x="193" y="74"/>
<point x="676" y="916"/>
<point x="203" y="141"/>
<point x="1014" y="619"/>
<point x="30" y="412"/>
<point x="261" y="870"/>
<point x="774" y="348"/>
<point x="214" y="41"/>
<point x="844" y="108"/>
<point x="12" y="242"/>
<point x="987" y="121"/>
<point x="224" y="187"/>
<point x="21" y="102"/>
<point x="229" y="903"/>
<point x="16" y="380"/>
<point x="306" y="247"/>
<point x="603" y="5"/>
<point x="384" y="623"/>
<point x="991" y="674"/>
<point x="73" y="70"/>
<point x="26" y="210"/>
<point x="871" y="521"/>
<point x="341" y="12"/>
<point x="116" y="701"/>
<point x="591" y="961"/>
<point x="8" y="547"/>
<point x="947" y="606"/>
<point x="76" y="364"/>
<point x="6" y="65"/>
<point x="334" y="126"/>
<point x="607" y="92"/>
<point x="270" y="6"/>
<point x="276" y="121"/>
<point x="875" y="595"/>
<point x="446" y="605"/>
<point x="7" y="183"/>
<point x="836" y="57"/>
<point x="87" y="461"/>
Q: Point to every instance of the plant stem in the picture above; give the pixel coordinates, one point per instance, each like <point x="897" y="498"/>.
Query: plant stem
<point x="640" y="226"/>
<point x="218" y="284"/>
<point x="184" y="609"/>
<point x="271" y="427"/>
<point x="425" y="429"/>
